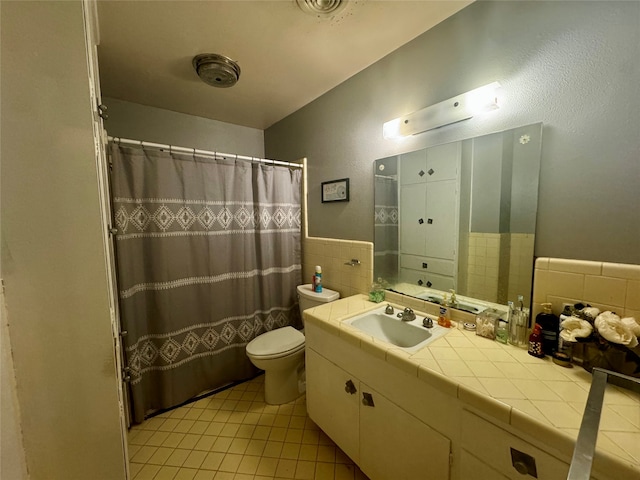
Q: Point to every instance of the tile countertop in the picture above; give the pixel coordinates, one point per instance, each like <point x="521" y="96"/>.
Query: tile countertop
<point x="532" y="395"/>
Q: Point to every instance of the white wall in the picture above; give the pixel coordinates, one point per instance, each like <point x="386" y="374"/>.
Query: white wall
<point x="53" y="261"/>
<point x="573" y="65"/>
<point x="140" y="122"/>
<point x="12" y="462"/>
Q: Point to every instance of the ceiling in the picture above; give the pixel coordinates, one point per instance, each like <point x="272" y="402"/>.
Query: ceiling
<point x="287" y="57"/>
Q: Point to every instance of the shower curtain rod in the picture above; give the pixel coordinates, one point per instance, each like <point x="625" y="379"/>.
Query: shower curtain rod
<point x="196" y="151"/>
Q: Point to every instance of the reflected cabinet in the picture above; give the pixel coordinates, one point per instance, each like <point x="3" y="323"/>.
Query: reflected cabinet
<point x="428" y="211"/>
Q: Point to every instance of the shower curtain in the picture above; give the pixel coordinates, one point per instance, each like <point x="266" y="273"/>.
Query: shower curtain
<point x="208" y="257"/>
<point x="386" y="228"/>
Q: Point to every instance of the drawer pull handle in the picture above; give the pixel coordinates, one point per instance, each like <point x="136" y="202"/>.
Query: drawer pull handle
<point x="523" y="463"/>
<point x="349" y="387"/>
<point x="367" y="400"/>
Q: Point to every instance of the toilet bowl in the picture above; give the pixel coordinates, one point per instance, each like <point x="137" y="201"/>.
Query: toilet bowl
<point x="280" y="352"/>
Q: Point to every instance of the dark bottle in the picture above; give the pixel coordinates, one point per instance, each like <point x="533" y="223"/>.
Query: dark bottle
<point x="550" y="326"/>
<point x="535" y="342"/>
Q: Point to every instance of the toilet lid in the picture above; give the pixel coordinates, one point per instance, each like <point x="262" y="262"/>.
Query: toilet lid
<point x="277" y="341"/>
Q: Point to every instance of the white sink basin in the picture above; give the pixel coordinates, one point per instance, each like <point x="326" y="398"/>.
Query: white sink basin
<point x="410" y="336"/>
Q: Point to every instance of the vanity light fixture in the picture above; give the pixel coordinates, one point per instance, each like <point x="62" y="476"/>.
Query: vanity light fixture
<point x="458" y="108"/>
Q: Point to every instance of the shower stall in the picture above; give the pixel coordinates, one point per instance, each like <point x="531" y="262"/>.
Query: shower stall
<point x="208" y="255"/>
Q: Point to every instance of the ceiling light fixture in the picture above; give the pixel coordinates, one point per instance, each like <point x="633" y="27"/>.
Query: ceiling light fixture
<point x="321" y="8"/>
<point x="453" y="110"/>
<point x="216" y="70"/>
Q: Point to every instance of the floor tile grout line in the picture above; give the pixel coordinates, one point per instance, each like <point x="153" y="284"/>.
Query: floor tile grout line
<point x="336" y="462"/>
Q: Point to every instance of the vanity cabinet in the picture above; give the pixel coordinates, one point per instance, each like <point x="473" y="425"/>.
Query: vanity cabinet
<point x="333" y="402"/>
<point x="428" y="211"/>
<point x="395" y="425"/>
<point x="504" y="452"/>
<point x="385" y="441"/>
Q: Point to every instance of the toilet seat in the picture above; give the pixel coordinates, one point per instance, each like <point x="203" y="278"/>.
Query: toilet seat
<point x="276" y="343"/>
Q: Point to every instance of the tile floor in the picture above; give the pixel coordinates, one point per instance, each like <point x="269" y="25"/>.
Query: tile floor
<point x="235" y="435"/>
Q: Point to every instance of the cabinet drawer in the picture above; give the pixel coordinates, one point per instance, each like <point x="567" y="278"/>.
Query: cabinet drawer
<point x="492" y="445"/>
<point x="427" y="264"/>
<point x="429" y="280"/>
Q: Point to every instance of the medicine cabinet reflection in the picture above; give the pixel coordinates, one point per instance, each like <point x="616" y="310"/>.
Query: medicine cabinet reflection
<point x="460" y="217"/>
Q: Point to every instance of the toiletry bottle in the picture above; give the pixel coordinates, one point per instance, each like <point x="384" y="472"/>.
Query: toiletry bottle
<point x="549" y="325"/>
<point x="502" y="332"/>
<point x="444" y="320"/>
<point x="518" y="325"/>
<point x="535" y="342"/>
<point x="512" y="322"/>
<point x="318" y="277"/>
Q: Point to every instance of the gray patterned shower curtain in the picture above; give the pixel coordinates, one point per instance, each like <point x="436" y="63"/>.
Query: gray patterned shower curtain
<point x="208" y="257"/>
<point x="386" y="228"/>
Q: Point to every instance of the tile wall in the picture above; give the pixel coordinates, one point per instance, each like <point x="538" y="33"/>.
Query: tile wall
<point x="520" y="255"/>
<point x="332" y="254"/>
<point x="483" y="265"/>
<point x="499" y="266"/>
<point x="607" y="286"/>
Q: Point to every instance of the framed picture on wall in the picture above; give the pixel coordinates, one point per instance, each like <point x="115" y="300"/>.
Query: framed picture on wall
<point x="335" y="191"/>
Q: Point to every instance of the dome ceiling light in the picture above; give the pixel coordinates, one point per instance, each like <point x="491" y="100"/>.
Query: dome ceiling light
<point x="216" y="70"/>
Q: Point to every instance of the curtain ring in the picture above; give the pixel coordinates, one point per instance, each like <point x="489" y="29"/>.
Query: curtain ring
<point x="194" y="154"/>
<point x="170" y="149"/>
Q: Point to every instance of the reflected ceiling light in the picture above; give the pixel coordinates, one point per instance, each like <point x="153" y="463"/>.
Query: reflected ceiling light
<point x="455" y="109"/>
<point x="321" y="8"/>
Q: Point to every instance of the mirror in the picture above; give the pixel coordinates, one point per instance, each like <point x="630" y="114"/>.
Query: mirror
<point x="460" y="217"/>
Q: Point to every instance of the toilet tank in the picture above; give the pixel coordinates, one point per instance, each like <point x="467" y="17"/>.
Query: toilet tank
<point x="308" y="298"/>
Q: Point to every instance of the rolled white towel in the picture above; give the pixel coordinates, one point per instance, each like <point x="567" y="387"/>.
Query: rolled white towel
<point x="611" y="328"/>
<point x="633" y="324"/>
<point x="593" y="312"/>
<point x="573" y="328"/>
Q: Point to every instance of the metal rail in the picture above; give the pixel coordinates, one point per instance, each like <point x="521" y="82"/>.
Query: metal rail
<point x="584" y="452"/>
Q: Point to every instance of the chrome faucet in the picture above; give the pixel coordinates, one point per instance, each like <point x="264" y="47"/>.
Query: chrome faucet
<point x="407" y="315"/>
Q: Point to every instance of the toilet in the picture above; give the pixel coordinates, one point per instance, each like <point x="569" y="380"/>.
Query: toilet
<point x="280" y="352"/>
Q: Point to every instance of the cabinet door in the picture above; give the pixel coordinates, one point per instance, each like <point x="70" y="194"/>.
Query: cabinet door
<point x="472" y="467"/>
<point x="413" y="167"/>
<point x="441" y="222"/>
<point x="330" y="405"/>
<point x="413" y="200"/>
<point x="395" y="445"/>
<point x="443" y="161"/>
